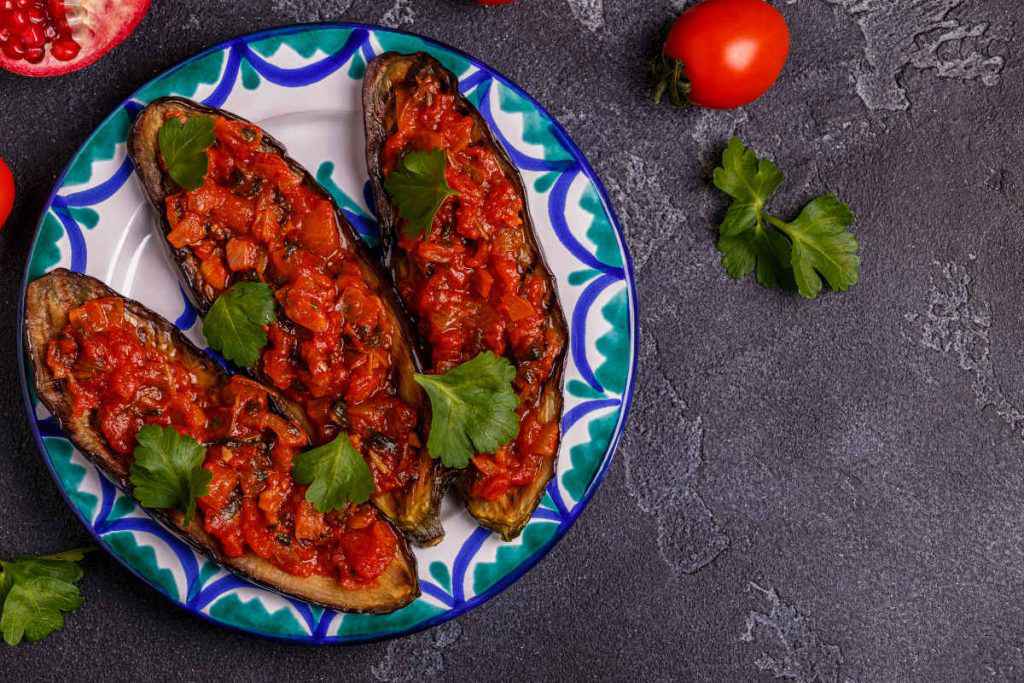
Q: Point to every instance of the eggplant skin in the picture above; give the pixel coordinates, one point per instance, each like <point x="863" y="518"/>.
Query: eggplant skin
<point x="417" y="514"/>
<point x="391" y="70"/>
<point x="48" y="301"/>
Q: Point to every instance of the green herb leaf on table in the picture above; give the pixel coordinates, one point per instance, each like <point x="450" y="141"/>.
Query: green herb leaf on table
<point x="823" y="245"/>
<point x="791" y="255"/>
<point x="36" y="592"/>
<point x="473" y="407"/>
<point x="418" y="187"/>
<point x="168" y="470"/>
<point x="335" y="473"/>
<point x="234" y="324"/>
<point x="745" y="242"/>
<point x="183" y="149"/>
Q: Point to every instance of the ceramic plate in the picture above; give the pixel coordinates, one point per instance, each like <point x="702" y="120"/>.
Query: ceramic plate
<point x="302" y="84"/>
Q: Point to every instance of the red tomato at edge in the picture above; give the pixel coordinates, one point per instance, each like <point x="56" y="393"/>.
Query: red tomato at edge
<point x="6" y="192"/>
<point x="732" y="50"/>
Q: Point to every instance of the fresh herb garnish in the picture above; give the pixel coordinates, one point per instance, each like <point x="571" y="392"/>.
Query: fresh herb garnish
<point x="234" y="324"/>
<point x="795" y="255"/>
<point x="183" y="148"/>
<point x="474" y="409"/>
<point x="36" y="592"/>
<point x="418" y="187"/>
<point x="167" y="471"/>
<point x="336" y="474"/>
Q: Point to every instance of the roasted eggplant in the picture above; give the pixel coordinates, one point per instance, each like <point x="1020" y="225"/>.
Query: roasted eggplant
<point x="340" y="345"/>
<point x="76" y="329"/>
<point x="475" y="279"/>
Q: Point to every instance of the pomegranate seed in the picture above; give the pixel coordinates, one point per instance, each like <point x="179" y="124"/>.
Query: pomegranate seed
<point x="57" y="10"/>
<point x="65" y="49"/>
<point x="12" y="50"/>
<point x="27" y="26"/>
<point x="16" y="20"/>
<point x="33" y="37"/>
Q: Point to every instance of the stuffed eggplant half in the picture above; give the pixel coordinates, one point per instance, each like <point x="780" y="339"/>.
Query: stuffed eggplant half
<point x="108" y="368"/>
<point x="473" y="274"/>
<point x="339" y="345"/>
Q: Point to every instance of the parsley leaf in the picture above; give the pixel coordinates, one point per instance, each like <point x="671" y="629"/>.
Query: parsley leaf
<point x="474" y="409"/>
<point x="822" y="244"/>
<point x="750" y="182"/>
<point x="745" y="242"/>
<point x="234" y="324"/>
<point x="168" y="470"/>
<point x="183" y="148"/>
<point x="36" y="591"/>
<point x="418" y="187"/>
<point x="336" y="474"/>
<point x="764" y="250"/>
<point x="788" y="255"/>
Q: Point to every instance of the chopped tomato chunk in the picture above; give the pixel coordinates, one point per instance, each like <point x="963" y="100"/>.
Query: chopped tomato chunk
<point x="243" y="254"/>
<point x="214" y="272"/>
<point x="320" y="229"/>
<point x="517" y="308"/>
<point x="189" y="230"/>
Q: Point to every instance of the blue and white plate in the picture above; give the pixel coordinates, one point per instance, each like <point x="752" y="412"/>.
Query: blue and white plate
<point x="303" y="84"/>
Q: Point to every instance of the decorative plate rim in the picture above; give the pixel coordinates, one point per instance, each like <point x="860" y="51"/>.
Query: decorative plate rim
<point x="627" y="395"/>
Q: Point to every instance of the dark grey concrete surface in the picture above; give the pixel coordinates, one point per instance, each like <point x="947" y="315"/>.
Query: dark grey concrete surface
<point x="825" y="490"/>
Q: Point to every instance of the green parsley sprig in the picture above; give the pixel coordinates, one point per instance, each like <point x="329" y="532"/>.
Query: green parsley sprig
<point x="793" y="255"/>
<point x="183" y="148"/>
<point x="234" y="324"/>
<point x="336" y="474"/>
<point x="36" y="592"/>
<point x="418" y="187"/>
<point x="473" y="409"/>
<point x="167" y="471"/>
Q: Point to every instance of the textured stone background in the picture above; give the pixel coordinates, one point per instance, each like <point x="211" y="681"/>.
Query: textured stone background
<point x="815" y="491"/>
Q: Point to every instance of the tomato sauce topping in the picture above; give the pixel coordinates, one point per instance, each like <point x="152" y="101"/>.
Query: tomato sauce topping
<point x="331" y="349"/>
<point x="475" y="282"/>
<point x="122" y="378"/>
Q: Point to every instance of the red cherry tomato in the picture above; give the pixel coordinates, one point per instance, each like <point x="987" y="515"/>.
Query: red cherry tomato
<point x="730" y="51"/>
<point x="6" y="192"/>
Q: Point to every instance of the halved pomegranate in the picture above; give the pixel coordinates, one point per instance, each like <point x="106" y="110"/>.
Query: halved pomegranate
<point x="55" y="37"/>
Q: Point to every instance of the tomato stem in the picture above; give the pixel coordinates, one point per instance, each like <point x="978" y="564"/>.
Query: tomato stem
<point x="669" y="75"/>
